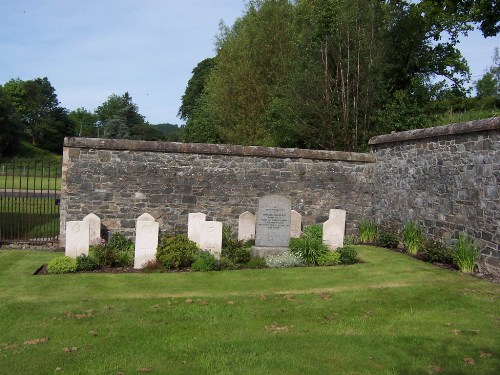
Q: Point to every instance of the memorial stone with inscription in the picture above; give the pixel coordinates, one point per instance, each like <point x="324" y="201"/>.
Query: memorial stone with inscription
<point x="334" y="229"/>
<point x="273" y="221"/>
<point x="195" y="221"/>
<point x="77" y="239"/>
<point x="211" y="237"/>
<point x="94" y="228"/>
<point x="146" y="240"/>
<point x="246" y="226"/>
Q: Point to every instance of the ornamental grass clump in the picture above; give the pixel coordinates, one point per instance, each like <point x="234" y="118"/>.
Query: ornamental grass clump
<point x="412" y="237"/>
<point x="465" y="253"/>
<point x="308" y="248"/>
<point x="368" y="230"/>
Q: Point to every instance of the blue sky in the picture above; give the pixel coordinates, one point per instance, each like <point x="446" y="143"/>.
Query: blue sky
<point x="90" y="49"/>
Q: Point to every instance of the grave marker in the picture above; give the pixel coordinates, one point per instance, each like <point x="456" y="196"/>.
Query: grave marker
<point x="146" y="240"/>
<point x="273" y="222"/>
<point x="295" y="224"/>
<point x="77" y="239"/>
<point x="334" y="229"/>
<point x="94" y="228"/>
<point x="194" y="226"/>
<point x="246" y="226"/>
<point x="211" y="237"/>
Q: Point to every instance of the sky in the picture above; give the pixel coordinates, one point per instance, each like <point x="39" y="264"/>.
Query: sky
<point x="90" y="49"/>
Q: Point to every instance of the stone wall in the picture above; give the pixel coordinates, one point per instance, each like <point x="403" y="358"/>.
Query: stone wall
<point x="446" y="178"/>
<point x="119" y="180"/>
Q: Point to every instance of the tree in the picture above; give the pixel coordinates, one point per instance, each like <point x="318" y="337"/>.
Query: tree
<point x="85" y="122"/>
<point x="10" y="130"/>
<point x="36" y="106"/>
<point x="489" y="84"/>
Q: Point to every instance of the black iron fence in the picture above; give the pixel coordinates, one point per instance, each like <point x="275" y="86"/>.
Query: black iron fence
<point x="29" y="202"/>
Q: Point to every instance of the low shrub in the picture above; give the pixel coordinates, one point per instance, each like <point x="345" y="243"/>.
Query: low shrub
<point x="351" y="240"/>
<point x="465" y="253"/>
<point x="412" y="237"/>
<point x="388" y="237"/>
<point x="330" y="258"/>
<point x="308" y="247"/>
<point x="226" y="264"/>
<point x="256" y="262"/>
<point x="205" y="261"/>
<point x="120" y="243"/>
<point x="125" y="258"/>
<point x="61" y="264"/>
<point x="315" y="231"/>
<point x="86" y="263"/>
<point x="348" y="255"/>
<point x="153" y="266"/>
<point x="285" y="260"/>
<point x="368" y="230"/>
<point x="435" y="251"/>
<point x="104" y="255"/>
<point x="239" y="252"/>
<point x="176" y="252"/>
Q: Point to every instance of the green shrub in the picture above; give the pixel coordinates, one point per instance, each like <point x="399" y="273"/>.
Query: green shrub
<point x="86" y="263"/>
<point x="465" y="253"/>
<point x="368" y="230"/>
<point x="176" y="252"/>
<point x="436" y="252"/>
<point x="205" y="261"/>
<point x="120" y="243"/>
<point x="412" y="237"/>
<point x="256" y="262"/>
<point x="347" y="255"/>
<point x="388" y="237"/>
<point x="330" y="258"/>
<point x="239" y="252"/>
<point x="285" y="260"/>
<point x="309" y="248"/>
<point x="62" y="264"/>
<point x="104" y="255"/>
<point x="125" y="258"/>
<point x="315" y="231"/>
<point x="226" y="264"/>
<point x="351" y="240"/>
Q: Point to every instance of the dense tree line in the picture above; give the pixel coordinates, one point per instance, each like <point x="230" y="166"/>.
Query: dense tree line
<point x="330" y="74"/>
<point x="30" y="111"/>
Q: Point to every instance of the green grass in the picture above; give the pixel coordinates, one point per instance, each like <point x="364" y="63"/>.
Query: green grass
<point x="391" y="314"/>
<point x="30" y="183"/>
<point x="27" y="152"/>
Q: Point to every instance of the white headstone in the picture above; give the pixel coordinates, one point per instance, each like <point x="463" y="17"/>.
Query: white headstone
<point x="77" y="238"/>
<point x="334" y="229"/>
<point x="211" y="237"/>
<point x="146" y="240"/>
<point x="246" y="226"/>
<point x="273" y="222"/>
<point x="94" y="228"/>
<point x="295" y="224"/>
<point x="194" y="226"/>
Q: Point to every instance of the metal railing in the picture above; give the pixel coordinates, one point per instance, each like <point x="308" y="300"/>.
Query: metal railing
<point x="29" y="202"/>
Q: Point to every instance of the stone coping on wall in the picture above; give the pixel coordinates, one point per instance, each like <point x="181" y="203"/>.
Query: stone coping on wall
<point x="215" y="149"/>
<point x="488" y="124"/>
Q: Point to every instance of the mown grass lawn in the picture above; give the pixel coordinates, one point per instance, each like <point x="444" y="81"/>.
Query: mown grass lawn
<point x="389" y="315"/>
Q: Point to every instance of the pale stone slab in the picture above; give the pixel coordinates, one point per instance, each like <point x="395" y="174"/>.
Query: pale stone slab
<point x="246" y="226"/>
<point x="334" y="229"/>
<point x="195" y="221"/>
<point x="77" y="238"/>
<point x="295" y="224"/>
<point x="146" y="240"/>
<point x="273" y="221"/>
<point x="211" y="237"/>
<point x="94" y="228"/>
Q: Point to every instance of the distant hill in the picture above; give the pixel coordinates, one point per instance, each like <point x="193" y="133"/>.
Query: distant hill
<point x="170" y="132"/>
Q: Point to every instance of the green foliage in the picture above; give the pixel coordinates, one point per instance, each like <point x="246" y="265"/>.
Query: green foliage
<point x="315" y="231"/>
<point x="125" y="258"/>
<point x="84" y="121"/>
<point x="86" y="263"/>
<point x="176" y="252"/>
<point x="153" y="266"/>
<point x="120" y="243"/>
<point x="226" y="264"/>
<point x="309" y="248"/>
<point x="10" y="130"/>
<point x="412" y="237"/>
<point x="351" y="240"/>
<point x="388" y="237"/>
<point x="256" y="263"/>
<point x="103" y="254"/>
<point x="330" y="258"/>
<point x="348" y="255"/>
<point x="205" y="261"/>
<point x="117" y="252"/>
<point x="435" y="251"/>
<point x="465" y="253"/>
<point x="368" y="230"/>
<point x="239" y="252"/>
<point x="285" y="260"/>
<point x="62" y="264"/>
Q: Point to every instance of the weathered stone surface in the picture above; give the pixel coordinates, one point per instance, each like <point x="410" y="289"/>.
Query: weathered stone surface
<point x="272" y="228"/>
<point x="334" y="229"/>
<point x="94" y="228"/>
<point x="77" y="239"/>
<point x="211" y="237"/>
<point x="146" y="240"/>
<point x="246" y="226"/>
<point x="195" y="221"/>
<point x="295" y="224"/>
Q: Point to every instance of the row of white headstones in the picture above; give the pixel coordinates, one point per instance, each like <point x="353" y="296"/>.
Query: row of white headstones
<point x="206" y="234"/>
